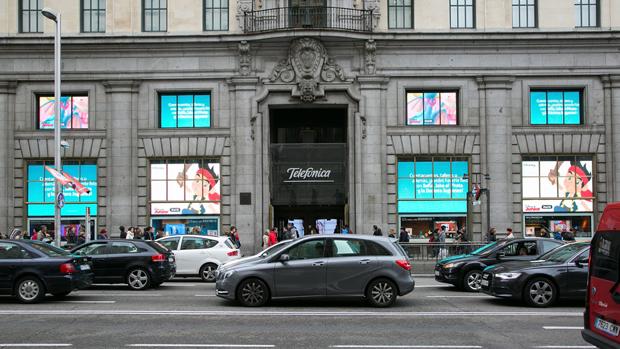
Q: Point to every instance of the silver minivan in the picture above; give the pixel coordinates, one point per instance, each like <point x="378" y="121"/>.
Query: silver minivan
<point x="375" y="268"/>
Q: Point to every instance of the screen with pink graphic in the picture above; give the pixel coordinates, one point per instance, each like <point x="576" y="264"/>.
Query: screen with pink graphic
<point x="431" y="108"/>
<point x="73" y="112"/>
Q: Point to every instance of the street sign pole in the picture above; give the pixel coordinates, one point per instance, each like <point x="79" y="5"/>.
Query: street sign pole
<point x="87" y="225"/>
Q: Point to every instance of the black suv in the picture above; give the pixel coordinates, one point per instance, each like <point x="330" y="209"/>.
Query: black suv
<point x="140" y="264"/>
<point x="465" y="271"/>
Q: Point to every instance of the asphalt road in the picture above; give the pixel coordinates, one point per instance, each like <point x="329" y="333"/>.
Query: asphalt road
<point x="186" y="314"/>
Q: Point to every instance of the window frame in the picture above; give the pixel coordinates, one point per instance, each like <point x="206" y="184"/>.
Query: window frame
<point x="438" y="91"/>
<point x="159" y="10"/>
<point x="204" y="15"/>
<point x="522" y="5"/>
<point x="579" y="5"/>
<point x="20" y="17"/>
<point x="185" y="93"/>
<point x="581" y="92"/>
<point x="91" y="12"/>
<point x="465" y="6"/>
<point x="396" y="13"/>
<point x="64" y="129"/>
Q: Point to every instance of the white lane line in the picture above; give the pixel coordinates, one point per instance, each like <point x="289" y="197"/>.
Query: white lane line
<point x="564" y="347"/>
<point x="272" y="313"/>
<point x="34" y="345"/>
<point x="433" y="286"/>
<point x="205" y="295"/>
<point x="150" y="345"/>
<point x="460" y="297"/>
<point x="89" y="294"/>
<point x="563" y="327"/>
<point x="408" y="346"/>
<point x="89" y="302"/>
<point x="179" y="285"/>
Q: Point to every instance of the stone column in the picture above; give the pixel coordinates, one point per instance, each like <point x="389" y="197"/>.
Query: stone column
<point x="370" y="177"/>
<point x="7" y="118"/>
<point x="611" y="84"/>
<point x="497" y="109"/>
<point x="247" y="218"/>
<point x="122" y="147"/>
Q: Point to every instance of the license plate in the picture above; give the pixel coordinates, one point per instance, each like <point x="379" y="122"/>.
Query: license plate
<point x="437" y="272"/>
<point x="484" y="282"/>
<point x="485" y="276"/>
<point x="607" y="327"/>
<point x="170" y="259"/>
<point x="84" y="267"/>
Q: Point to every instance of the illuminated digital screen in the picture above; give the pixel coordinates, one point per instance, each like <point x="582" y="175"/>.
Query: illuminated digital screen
<point x="431" y="108"/>
<point x="73" y="112"/>
<point x="178" y="111"/>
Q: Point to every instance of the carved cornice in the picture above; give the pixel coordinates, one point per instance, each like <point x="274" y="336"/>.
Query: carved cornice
<point x="495" y="82"/>
<point x="370" y="56"/>
<point x="611" y="81"/>
<point x="8" y="87"/>
<point x="245" y="58"/>
<point x="121" y="86"/>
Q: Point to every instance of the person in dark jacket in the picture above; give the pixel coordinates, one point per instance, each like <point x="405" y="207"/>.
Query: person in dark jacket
<point x="404" y="236"/>
<point x="376" y="231"/>
<point x="123" y="233"/>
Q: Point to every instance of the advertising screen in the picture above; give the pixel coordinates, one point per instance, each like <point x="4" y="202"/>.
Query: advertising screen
<point x="555" y="107"/>
<point x="561" y="184"/>
<point x="41" y="196"/>
<point x="73" y="112"/>
<point x="431" y="108"/>
<point x="185" y="188"/>
<point x="432" y="186"/>
<point x="185" y="110"/>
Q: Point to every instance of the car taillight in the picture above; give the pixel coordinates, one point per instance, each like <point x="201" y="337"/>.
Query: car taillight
<point x="67" y="268"/>
<point x="233" y="253"/>
<point x="403" y="263"/>
<point x="158" y="258"/>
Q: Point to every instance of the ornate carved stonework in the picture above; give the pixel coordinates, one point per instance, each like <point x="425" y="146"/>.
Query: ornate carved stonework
<point x="242" y="7"/>
<point x="370" y="56"/>
<point x="245" y="59"/>
<point x="308" y="64"/>
<point x="373" y="5"/>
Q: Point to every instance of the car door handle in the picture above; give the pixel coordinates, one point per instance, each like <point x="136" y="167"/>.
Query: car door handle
<point x="318" y="264"/>
<point x="365" y="261"/>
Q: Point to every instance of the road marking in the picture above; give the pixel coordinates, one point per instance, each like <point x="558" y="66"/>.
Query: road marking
<point x="459" y="297"/>
<point x="205" y="295"/>
<point x="435" y="286"/>
<point x="35" y="345"/>
<point x="179" y="285"/>
<point x="89" y="294"/>
<point x="563" y="327"/>
<point x="408" y="346"/>
<point x="272" y="313"/>
<point x="202" y="345"/>
<point x="564" y="347"/>
<point x="89" y="302"/>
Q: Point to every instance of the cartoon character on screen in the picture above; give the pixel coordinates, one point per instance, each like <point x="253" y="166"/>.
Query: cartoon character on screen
<point x="575" y="187"/>
<point x="203" y="189"/>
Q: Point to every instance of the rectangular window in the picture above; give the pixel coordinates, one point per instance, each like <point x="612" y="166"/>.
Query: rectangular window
<point x="93" y="16"/>
<point x="215" y="15"/>
<point x="400" y="14"/>
<point x="155" y="15"/>
<point x="555" y="107"/>
<point x="432" y="185"/>
<point x="185" y="110"/>
<point x="185" y="187"/>
<point x="30" y="17"/>
<point x="557" y="184"/>
<point x="73" y="112"/>
<point x="524" y="13"/>
<point x="432" y="108"/>
<point x="586" y="13"/>
<point x="40" y="189"/>
<point x="462" y="14"/>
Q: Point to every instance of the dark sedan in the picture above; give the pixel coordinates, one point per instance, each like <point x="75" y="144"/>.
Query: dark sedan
<point x="30" y="269"/>
<point x="465" y="271"/>
<point x="559" y="274"/>
<point x="140" y="264"/>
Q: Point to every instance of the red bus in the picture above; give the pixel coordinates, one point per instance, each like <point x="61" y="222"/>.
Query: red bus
<point x="602" y="315"/>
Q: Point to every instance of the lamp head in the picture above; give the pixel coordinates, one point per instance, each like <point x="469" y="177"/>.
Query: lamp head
<point x="64" y="144"/>
<point x="49" y="13"/>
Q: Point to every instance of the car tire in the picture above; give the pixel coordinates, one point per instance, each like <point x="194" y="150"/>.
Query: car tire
<point x="29" y="290"/>
<point x="381" y="293"/>
<point x="253" y="293"/>
<point x="471" y="280"/>
<point x="138" y="279"/>
<point x="207" y="272"/>
<point x="61" y="294"/>
<point x="540" y="293"/>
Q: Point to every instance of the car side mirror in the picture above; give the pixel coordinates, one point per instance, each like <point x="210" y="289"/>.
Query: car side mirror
<point x="284" y="257"/>
<point x="580" y="263"/>
<point x="500" y="255"/>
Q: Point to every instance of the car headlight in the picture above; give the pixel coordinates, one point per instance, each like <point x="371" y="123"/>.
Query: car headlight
<point x="228" y="274"/>
<point x="452" y="265"/>
<point x="508" y="276"/>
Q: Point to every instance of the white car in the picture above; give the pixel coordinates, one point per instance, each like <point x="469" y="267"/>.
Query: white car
<point x="200" y="255"/>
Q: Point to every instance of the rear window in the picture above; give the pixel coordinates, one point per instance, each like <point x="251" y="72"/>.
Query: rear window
<point x="157" y="246"/>
<point x="49" y="250"/>
<point x="605" y="256"/>
<point x="400" y="249"/>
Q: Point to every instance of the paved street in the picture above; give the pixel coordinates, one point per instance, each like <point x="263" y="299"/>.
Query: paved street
<point x="185" y="313"/>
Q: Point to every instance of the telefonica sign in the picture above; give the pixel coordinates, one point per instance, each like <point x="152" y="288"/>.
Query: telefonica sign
<point x="308" y="175"/>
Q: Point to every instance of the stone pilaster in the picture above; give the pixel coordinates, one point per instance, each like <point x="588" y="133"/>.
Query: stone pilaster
<point x="7" y="117"/>
<point x="122" y="157"/>
<point x="611" y="85"/>
<point x="497" y="162"/>
<point x="371" y="170"/>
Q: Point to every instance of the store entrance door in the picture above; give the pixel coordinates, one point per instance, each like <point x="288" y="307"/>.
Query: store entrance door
<point x="308" y="219"/>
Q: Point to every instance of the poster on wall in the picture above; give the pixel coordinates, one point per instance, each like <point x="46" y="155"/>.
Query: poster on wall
<point x="326" y="226"/>
<point x="555" y="107"/>
<point x="557" y="186"/>
<point x="185" y="111"/>
<point x="73" y="112"/>
<point x="431" y="108"/>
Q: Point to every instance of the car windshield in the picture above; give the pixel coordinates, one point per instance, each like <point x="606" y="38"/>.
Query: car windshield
<point x="275" y="248"/>
<point x="563" y="253"/>
<point x="49" y="250"/>
<point x="486" y="248"/>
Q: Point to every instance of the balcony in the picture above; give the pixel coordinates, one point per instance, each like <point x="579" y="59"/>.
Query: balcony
<point x="306" y="17"/>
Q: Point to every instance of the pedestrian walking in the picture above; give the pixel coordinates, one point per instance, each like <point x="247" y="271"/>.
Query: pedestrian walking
<point x="392" y="233"/>
<point x="403" y="236"/>
<point x="81" y="239"/>
<point x="291" y="232"/>
<point x="376" y="231"/>
<point x="160" y="233"/>
<point x="130" y="235"/>
<point x="265" y="243"/>
<point x="149" y="233"/>
<point x="234" y="236"/>
<point x="103" y="234"/>
<point x="122" y="232"/>
<point x="492" y="235"/>
<point x="282" y="234"/>
<point x="441" y="239"/>
<point x="70" y="235"/>
<point x="273" y="237"/>
<point x="568" y="235"/>
<point x="345" y="230"/>
<point x="509" y="234"/>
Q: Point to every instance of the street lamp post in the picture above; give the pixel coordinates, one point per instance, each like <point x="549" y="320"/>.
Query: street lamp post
<point x="486" y="191"/>
<point x="55" y="16"/>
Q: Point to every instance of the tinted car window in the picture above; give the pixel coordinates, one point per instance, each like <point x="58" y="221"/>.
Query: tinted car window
<point x="486" y="248"/>
<point x="171" y="243"/>
<point x="307" y="250"/>
<point x="605" y="256"/>
<point x="197" y="243"/>
<point x="123" y="248"/>
<point x="521" y="248"/>
<point x="12" y="251"/>
<point x="548" y="245"/>
<point x="374" y="249"/>
<point x="49" y="250"/>
<point x="92" y="250"/>
<point x="562" y="254"/>
<point x="156" y="245"/>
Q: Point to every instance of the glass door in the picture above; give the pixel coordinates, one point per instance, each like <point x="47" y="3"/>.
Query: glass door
<point x="308" y="13"/>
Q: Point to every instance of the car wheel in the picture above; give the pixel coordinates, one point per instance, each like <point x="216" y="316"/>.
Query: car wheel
<point x="540" y="292"/>
<point x="207" y="272"/>
<point x="472" y="280"/>
<point x="381" y="293"/>
<point x="138" y="279"/>
<point x="253" y="293"/>
<point x="61" y="294"/>
<point x="29" y="290"/>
